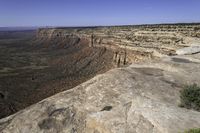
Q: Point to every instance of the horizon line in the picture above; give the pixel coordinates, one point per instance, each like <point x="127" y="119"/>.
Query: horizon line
<point x="74" y="26"/>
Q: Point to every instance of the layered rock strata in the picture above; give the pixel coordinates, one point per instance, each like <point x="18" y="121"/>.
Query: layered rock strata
<point x="130" y="43"/>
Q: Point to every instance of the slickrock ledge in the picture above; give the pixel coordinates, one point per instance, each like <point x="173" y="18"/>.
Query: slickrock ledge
<point x="189" y="50"/>
<point x="141" y="98"/>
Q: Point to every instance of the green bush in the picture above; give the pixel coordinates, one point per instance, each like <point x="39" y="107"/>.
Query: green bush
<point x="190" y="97"/>
<point x="193" y="131"/>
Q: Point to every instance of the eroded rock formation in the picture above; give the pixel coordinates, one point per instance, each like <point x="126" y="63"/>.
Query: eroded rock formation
<point x="153" y="40"/>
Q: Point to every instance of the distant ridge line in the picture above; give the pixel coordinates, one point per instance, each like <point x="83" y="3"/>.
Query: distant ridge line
<point x="137" y="25"/>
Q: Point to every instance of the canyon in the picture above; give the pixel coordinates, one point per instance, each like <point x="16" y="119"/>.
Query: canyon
<point x="117" y="79"/>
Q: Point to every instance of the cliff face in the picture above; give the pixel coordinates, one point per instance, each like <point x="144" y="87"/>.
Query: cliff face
<point x="155" y="36"/>
<point x="130" y="43"/>
<point x="140" y="98"/>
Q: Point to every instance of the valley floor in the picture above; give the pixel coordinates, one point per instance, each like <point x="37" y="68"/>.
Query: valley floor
<point x="30" y="72"/>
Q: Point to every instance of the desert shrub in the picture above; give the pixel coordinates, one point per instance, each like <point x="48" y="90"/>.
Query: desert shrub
<point x="190" y="97"/>
<point x="193" y="131"/>
<point x="196" y="28"/>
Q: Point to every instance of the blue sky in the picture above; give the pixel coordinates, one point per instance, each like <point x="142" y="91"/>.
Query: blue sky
<point x="96" y="12"/>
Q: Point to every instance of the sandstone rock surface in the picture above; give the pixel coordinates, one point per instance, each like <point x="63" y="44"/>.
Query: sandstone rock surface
<point x="141" y="98"/>
<point x="189" y="50"/>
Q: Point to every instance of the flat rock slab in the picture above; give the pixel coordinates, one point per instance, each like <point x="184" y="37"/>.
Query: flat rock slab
<point x="141" y="98"/>
<point x="188" y="50"/>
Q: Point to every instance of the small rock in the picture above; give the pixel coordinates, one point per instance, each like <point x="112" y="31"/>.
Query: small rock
<point x="2" y="96"/>
<point x="107" y="108"/>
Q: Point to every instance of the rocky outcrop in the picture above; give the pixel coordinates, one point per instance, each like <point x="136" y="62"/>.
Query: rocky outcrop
<point x="189" y="50"/>
<point x="143" y="97"/>
<point x="125" y="41"/>
<point x="164" y="39"/>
